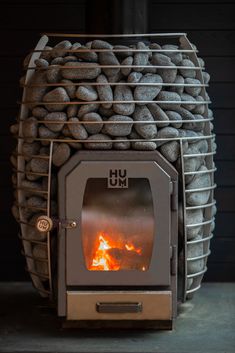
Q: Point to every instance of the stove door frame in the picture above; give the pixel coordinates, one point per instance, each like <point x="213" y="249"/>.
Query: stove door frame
<point x="69" y="279"/>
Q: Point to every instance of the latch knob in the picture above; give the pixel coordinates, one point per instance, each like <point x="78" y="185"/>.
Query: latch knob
<point x="44" y="224"/>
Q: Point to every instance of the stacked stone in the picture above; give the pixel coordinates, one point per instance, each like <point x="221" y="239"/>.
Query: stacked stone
<point x="79" y="104"/>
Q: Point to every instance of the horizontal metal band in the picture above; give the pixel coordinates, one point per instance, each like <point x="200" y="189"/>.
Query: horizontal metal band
<point x="40" y="259"/>
<point x="201" y="171"/>
<point x="199" y="154"/>
<point x="36" y="156"/>
<point x="76" y="35"/>
<point x="30" y="173"/>
<point x="84" y="67"/>
<point x="196" y="274"/>
<point x="201" y="189"/>
<point x="31" y="190"/>
<point x="33" y="241"/>
<point x="200" y="223"/>
<point x="199" y="240"/>
<point x="115" y="102"/>
<point x="198" y="257"/>
<point x="31" y="207"/>
<point x="114" y="50"/>
<point x="193" y="289"/>
<point x="61" y="84"/>
<point x="200" y="206"/>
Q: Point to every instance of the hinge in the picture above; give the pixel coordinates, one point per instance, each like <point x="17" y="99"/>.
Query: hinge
<point x="174" y="196"/>
<point x="173" y="260"/>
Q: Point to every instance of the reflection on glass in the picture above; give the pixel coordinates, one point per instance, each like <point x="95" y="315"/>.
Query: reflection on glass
<point x="117" y="226"/>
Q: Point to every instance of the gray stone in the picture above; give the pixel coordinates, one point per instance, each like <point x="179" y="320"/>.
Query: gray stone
<point x="36" y="201"/>
<point x="106" y="58"/>
<point x="41" y="267"/>
<point x="128" y="62"/>
<point x="170" y="151"/>
<point x="39" y="165"/>
<point x="187" y="73"/>
<point x="167" y="132"/>
<point x="104" y="144"/>
<point x="126" y="145"/>
<point x="93" y="128"/>
<point x="87" y="56"/>
<point x="66" y="132"/>
<point x="70" y="58"/>
<point x="201" y="62"/>
<point x="206" y="77"/>
<point x="174" y="116"/>
<point x="144" y="146"/>
<point x="60" y="49"/>
<point x="148" y="130"/>
<point x="53" y="74"/>
<point x="140" y="58"/>
<point x="87" y="108"/>
<point x="105" y="91"/>
<point x="148" y="93"/>
<point x="61" y="154"/>
<point x="158" y="114"/>
<point x="184" y="113"/>
<point x="35" y="94"/>
<point x="39" y="112"/>
<point x="46" y="54"/>
<point x="30" y="129"/>
<point x="192" y="217"/>
<point x="57" y="95"/>
<point x="75" y="145"/>
<point x="115" y="78"/>
<point x="187" y="98"/>
<point x="29" y="149"/>
<point x="199" y="181"/>
<point x="199" y="108"/>
<point x="100" y="44"/>
<point x="150" y="69"/>
<point x="134" y="77"/>
<point x="41" y="63"/>
<point x="70" y="88"/>
<point x="28" y="172"/>
<point x="125" y="51"/>
<point x="55" y="116"/>
<point x="123" y="93"/>
<point x="72" y="110"/>
<point x="78" y="131"/>
<point x="81" y="70"/>
<point x="193" y="91"/>
<point x="176" y="57"/>
<point x="45" y="133"/>
<point x="119" y="129"/>
<point x="195" y="250"/>
<point x="86" y="93"/>
<point x="178" y="89"/>
<point x="169" y="96"/>
<point x="106" y="113"/>
<point x="168" y="75"/>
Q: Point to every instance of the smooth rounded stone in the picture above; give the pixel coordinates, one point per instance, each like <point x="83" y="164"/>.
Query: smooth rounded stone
<point x="174" y="116"/>
<point x="144" y="146"/>
<point x="70" y="88"/>
<point x="184" y="113"/>
<point x="41" y="267"/>
<point x="65" y="131"/>
<point x="81" y="70"/>
<point x="168" y="75"/>
<point x="193" y="91"/>
<point x="78" y="131"/>
<point x="128" y="62"/>
<point x="87" y="108"/>
<point x="148" y="130"/>
<point x="36" y="201"/>
<point x="105" y="113"/>
<point x="199" y="108"/>
<point x="194" y="125"/>
<point x="119" y="129"/>
<point x="87" y="56"/>
<point x="206" y="77"/>
<point x="35" y="94"/>
<point x="192" y="217"/>
<point x="14" y="129"/>
<point x="169" y="96"/>
<point x="58" y="95"/>
<point x="126" y="145"/>
<point x="140" y="58"/>
<point x="176" y="57"/>
<point x="57" y="61"/>
<point x="187" y="98"/>
<point x="191" y="73"/>
<point x="134" y="77"/>
<point x="31" y="232"/>
<point x="15" y="212"/>
<point x="30" y="128"/>
<point x="105" y="92"/>
<point x="45" y="133"/>
<point x="28" y="172"/>
<point x="29" y="149"/>
<point x="167" y="132"/>
<point x="150" y="69"/>
<point x="53" y="74"/>
<point x="178" y="89"/>
<point x="31" y="186"/>
<point x="100" y="44"/>
<point x="93" y="128"/>
<point x="123" y="93"/>
<point x="125" y="51"/>
<point x="170" y="151"/>
<point x="195" y="250"/>
<point x="86" y="93"/>
<point x="75" y="145"/>
<point x="13" y="161"/>
<point x="39" y="165"/>
<point x="115" y="78"/>
<point x="60" y="49"/>
<point x="158" y="114"/>
<point x="72" y="110"/>
<point x="201" y="62"/>
<point x="69" y="58"/>
<point x="55" y="116"/>
<point x="104" y="144"/>
<point x="148" y="93"/>
<point x="39" y="112"/>
<point x="199" y="181"/>
<point x="41" y="63"/>
<point x="106" y="58"/>
<point x="61" y="154"/>
<point x="154" y="46"/>
<point x="46" y="54"/>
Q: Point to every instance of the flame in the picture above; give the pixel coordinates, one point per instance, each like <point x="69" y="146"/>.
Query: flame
<point x="104" y="260"/>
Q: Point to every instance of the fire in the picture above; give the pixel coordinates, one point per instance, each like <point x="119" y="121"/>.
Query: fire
<point x="109" y="254"/>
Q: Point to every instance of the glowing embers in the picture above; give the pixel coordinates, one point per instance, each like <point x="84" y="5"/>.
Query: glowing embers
<point x="113" y="256"/>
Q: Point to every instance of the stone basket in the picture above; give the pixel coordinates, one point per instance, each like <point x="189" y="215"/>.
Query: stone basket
<point x="140" y="92"/>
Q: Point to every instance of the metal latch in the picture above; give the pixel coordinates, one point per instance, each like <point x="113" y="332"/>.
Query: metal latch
<point x="173" y="260"/>
<point x="46" y="224"/>
<point x="174" y="196"/>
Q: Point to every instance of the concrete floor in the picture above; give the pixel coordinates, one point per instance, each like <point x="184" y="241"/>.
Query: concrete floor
<point x="205" y="325"/>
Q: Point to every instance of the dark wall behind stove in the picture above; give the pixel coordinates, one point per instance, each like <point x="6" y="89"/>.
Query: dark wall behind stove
<point x="209" y="24"/>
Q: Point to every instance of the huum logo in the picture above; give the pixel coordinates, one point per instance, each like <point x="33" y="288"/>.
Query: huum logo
<point x="117" y="179"/>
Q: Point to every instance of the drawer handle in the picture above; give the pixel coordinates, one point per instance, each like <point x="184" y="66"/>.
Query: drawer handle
<point x="118" y="308"/>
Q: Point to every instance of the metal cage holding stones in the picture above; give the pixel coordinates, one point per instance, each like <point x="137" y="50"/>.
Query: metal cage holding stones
<point x="40" y="265"/>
